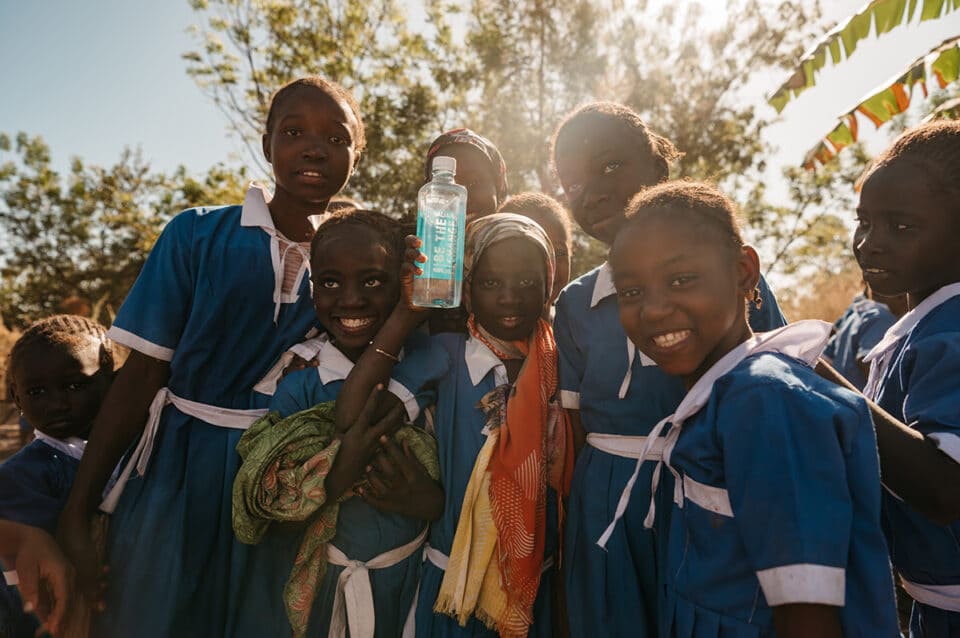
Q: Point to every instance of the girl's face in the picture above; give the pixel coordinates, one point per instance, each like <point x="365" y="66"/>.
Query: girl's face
<point x="601" y="167"/>
<point x="476" y="175"/>
<point x="508" y="289"/>
<point x="681" y="294"/>
<point x="908" y="234"/>
<point x="356" y="285"/>
<point x="60" y="389"/>
<point x="311" y="147"/>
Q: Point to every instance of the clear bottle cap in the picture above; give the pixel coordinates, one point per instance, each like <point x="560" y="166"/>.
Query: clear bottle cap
<point x="444" y="163"/>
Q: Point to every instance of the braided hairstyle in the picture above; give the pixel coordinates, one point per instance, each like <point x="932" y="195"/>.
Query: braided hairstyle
<point x="390" y="231"/>
<point x="661" y="151"/>
<point x="332" y="89"/>
<point x="701" y="204"/>
<point x="63" y="331"/>
<point x="936" y="147"/>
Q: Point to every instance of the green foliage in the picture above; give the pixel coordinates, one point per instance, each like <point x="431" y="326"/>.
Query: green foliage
<point x="812" y="235"/>
<point x="86" y="233"/>
<point x="250" y="49"/>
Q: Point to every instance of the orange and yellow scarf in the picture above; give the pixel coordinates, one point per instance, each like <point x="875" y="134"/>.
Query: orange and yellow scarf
<point x="497" y="555"/>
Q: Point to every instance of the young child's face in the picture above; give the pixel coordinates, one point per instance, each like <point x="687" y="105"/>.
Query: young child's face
<point x="311" y="146"/>
<point x="601" y="167"/>
<point x="355" y="286"/>
<point x="508" y="289"/>
<point x="908" y="234"/>
<point x="681" y="294"/>
<point x="60" y="390"/>
<point x="476" y="175"/>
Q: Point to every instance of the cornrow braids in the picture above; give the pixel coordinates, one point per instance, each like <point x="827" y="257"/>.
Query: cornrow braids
<point x="390" y="230"/>
<point x="660" y="149"/>
<point x="64" y="331"/>
<point x="935" y="146"/>
<point x="332" y="89"/>
<point x="698" y="202"/>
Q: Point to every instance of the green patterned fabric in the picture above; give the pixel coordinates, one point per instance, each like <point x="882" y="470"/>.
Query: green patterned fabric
<point x="285" y="464"/>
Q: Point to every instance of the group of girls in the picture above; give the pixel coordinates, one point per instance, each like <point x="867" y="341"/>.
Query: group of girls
<point x="293" y="448"/>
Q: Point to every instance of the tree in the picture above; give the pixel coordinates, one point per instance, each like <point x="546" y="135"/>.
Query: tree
<point x="810" y="237"/>
<point x="86" y="233"/>
<point x="401" y="78"/>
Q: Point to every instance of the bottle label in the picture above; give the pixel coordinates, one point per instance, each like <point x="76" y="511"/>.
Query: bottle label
<point x="440" y="245"/>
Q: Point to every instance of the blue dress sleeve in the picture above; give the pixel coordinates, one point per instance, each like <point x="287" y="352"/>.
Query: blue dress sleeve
<point x="296" y="392"/>
<point x="570" y="360"/>
<point x="415" y="378"/>
<point x="33" y="490"/>
<point x="768" y="316"/>
<point x="154" y="314"/>
<point x="872" y="328"/>
<point x="932" y="383"/>
<point x="785" y="469"/>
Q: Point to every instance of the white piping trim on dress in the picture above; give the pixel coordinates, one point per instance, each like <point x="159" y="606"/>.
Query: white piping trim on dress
<point x="714" y="499"/>
<point x="135" y="342"/>
<point x="804" y="583"/>
<point x="569" y="400"/>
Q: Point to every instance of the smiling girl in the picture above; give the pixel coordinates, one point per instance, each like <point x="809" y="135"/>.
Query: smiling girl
<point x="221" y="295"/>
<point x="775" y="522"/>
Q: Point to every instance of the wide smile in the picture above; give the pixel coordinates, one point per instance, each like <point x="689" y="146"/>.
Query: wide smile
<point x="670" y="341"/>
<point x="355" y="325"/>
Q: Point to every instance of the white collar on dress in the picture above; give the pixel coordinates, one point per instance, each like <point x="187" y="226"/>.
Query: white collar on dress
<point x="72" y="446"/>
<point x="603" y="287"/>
<point x="880" y="357"/>
<point x="333" y="365"/>
<point x="256" y="212"/>
<point x="481" y="360"/>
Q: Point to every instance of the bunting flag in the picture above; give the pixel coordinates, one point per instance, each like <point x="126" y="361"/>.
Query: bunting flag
<point x="942" y="64"/>
<point x="841" y="41"/>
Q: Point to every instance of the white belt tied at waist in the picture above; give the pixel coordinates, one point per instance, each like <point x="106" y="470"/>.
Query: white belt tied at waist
<point x="630" y="447"/>
<point x="212" y="414"/>
<point x="353" y="602"/>
<point x="939" y="596"/>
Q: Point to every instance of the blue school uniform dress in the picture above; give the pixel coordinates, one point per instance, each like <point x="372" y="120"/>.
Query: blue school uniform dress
<point x="621" y="395"/>
<point x="776" y="496"/>
<point x="467" y="371"/>
<point x="209" y="300"/>
<point x="34" y="485"/>
<point x="915" y="376"/>
<point x="365" y="537"/>
<point x="860" y="328"/>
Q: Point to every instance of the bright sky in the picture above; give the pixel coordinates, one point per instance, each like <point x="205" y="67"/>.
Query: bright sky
<point x="93" y="77"/>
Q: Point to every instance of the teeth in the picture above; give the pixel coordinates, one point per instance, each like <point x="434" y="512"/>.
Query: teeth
<point x="310" y="173"/>
<point x="354" y="324"/>
<point x="671" y="338"/>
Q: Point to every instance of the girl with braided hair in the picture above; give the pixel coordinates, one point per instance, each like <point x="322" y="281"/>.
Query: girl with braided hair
<point x="59" y="372"/>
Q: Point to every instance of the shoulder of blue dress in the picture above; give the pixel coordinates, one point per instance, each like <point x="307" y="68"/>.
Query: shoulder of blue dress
<point x="943" y="318"/>
<point x="580" y="289"/>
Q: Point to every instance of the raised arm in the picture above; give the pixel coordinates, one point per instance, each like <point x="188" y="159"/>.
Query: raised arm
<point x="376" y="363"/>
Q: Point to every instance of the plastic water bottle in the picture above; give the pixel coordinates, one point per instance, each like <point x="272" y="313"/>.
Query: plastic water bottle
<point x="441" y="222"/>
